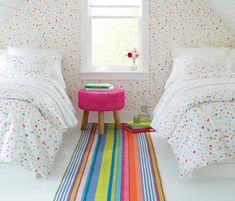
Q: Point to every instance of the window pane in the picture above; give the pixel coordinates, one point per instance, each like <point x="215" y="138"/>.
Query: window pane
<point x="115" y="11"/>
<point x="115" y="2"/>
<point x="111" y="38"/>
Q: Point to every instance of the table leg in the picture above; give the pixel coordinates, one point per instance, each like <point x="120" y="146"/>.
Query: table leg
<point x="85" y="120"/>
<point x="101" y="123"/>
<point x="117" y="119"/>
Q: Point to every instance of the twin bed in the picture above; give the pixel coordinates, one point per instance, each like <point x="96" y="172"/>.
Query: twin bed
<point x="34" y="108"/>
<point x="196" y="114"/>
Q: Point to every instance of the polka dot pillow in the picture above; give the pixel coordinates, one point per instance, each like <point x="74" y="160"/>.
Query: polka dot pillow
<point x="25" y="67"/>
<point x="190" y="68"/>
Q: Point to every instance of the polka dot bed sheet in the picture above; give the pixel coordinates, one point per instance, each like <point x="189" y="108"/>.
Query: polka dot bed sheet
<point x="32" y="123"/>
<point x="197" y="117"/>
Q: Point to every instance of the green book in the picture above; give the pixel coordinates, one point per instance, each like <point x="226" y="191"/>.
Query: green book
<point x="145" y="123"/>
<point x="98" y="86"/>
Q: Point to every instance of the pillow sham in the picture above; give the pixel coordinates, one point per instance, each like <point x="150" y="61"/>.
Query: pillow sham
<point x="210" y="52"/>
<point x="232" y="56"/>
<point x="56" y="73"/>
<point x="191" y="68"/>
<point x="25" y="67"/>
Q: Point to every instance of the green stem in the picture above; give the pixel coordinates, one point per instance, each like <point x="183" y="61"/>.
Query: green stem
<point x="133" y="60"/>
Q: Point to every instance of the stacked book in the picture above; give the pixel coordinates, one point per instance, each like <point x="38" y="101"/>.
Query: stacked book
<point x="98" y="87"/>
<point x="140" y="127"/>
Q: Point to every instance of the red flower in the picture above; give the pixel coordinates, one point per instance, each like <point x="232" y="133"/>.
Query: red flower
<point x="129" y="54"/>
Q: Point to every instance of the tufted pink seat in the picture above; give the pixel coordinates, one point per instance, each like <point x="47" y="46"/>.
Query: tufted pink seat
<point x="101" y="101"/>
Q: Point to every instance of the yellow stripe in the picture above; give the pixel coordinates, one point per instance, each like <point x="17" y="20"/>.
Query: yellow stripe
<point x="115" y="168"/>
<point x="83" y="165"/>
<point x="103" y="182"/>
<point x="155" y="167"/>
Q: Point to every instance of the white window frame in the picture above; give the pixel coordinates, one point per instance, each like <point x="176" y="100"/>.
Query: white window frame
<point x="90" y="72"/>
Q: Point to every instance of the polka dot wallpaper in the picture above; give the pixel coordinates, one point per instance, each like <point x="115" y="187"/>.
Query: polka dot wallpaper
<point x="56" y="23"/>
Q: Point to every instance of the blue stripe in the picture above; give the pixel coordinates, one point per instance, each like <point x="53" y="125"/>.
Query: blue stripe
<point x="153" y="184"/>
<point x="91" y="184"/>
<point x="119" y="167"/>
<point x="149" y="167"/>
<point x="152" y="168"/>
<point x="75" y="165"/>
<point x="112" y="165"/>
<point x="76" y="159"/>
<point x="144" y="182"/>
<point x="63" y="191"/>
<point x="147" y="170"/>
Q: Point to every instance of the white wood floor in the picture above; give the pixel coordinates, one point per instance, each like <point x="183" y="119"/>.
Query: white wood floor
<point x="17" y="184"/>
<point x="212" y="183"/>
<point x="215" y="184"/>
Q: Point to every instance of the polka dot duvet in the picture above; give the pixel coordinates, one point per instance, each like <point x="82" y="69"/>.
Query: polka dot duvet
<point x="197" y="117"/>
<point x="34" y="114"/>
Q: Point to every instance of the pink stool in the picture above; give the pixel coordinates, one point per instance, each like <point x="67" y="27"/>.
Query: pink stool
<point x="101" y="101"/>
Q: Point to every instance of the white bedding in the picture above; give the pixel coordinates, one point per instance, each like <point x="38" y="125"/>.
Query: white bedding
<point x="34" y="114"/>
<point x="197" y="117"/>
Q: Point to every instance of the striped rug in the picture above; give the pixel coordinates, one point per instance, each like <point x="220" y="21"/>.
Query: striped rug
<point x="118" y="166"/>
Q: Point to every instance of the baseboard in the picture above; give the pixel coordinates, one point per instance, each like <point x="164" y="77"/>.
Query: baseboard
<point x="108" y="116"/>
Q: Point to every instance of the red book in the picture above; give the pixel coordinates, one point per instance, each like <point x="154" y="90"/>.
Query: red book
<point x="138" y="130"/>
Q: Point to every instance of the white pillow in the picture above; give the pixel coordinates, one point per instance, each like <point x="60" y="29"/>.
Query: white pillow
<point x="232" y="56"/>
<point x="210" y="52"/>
<point x="56" y="73"/>
<point x="191" y="68"/>
<point x="25" y="67"/>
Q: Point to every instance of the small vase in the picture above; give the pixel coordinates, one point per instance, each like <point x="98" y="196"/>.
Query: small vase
<point x="134" y="67"/>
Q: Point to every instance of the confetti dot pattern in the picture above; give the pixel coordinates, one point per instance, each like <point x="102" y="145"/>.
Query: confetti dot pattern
<point x="31" y="127"/>
<point x="199" y="124"/>
<point x="57" y="24"/>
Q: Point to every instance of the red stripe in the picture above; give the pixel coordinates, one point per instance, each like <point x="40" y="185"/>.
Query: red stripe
<point x="132" y="168"/>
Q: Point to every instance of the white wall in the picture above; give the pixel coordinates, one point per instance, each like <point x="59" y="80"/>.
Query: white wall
<point x="225" y="10"/>
<point x="8" y="8"/>
<point x="56" y="24"/>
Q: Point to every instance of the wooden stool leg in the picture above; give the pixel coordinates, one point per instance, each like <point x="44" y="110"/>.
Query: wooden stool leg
<point x="101" y="123"/>
<point x="85" y="120"/>
<point x="117" y="119"/>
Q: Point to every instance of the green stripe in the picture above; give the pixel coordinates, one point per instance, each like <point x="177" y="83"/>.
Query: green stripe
<point x="103" y="183"/>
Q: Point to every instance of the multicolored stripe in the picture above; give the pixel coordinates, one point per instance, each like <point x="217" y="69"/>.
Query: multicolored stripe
<point x="117" y="166"/>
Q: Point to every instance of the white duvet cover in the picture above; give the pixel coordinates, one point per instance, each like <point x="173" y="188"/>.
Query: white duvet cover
<point x="197" y="118"/>
<point x="34" y="114"/>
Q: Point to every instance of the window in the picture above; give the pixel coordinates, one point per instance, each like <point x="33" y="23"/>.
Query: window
<point x="111" y="28"/>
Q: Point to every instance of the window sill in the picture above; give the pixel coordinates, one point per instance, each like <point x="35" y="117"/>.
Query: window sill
<point x="114" y="75"/>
